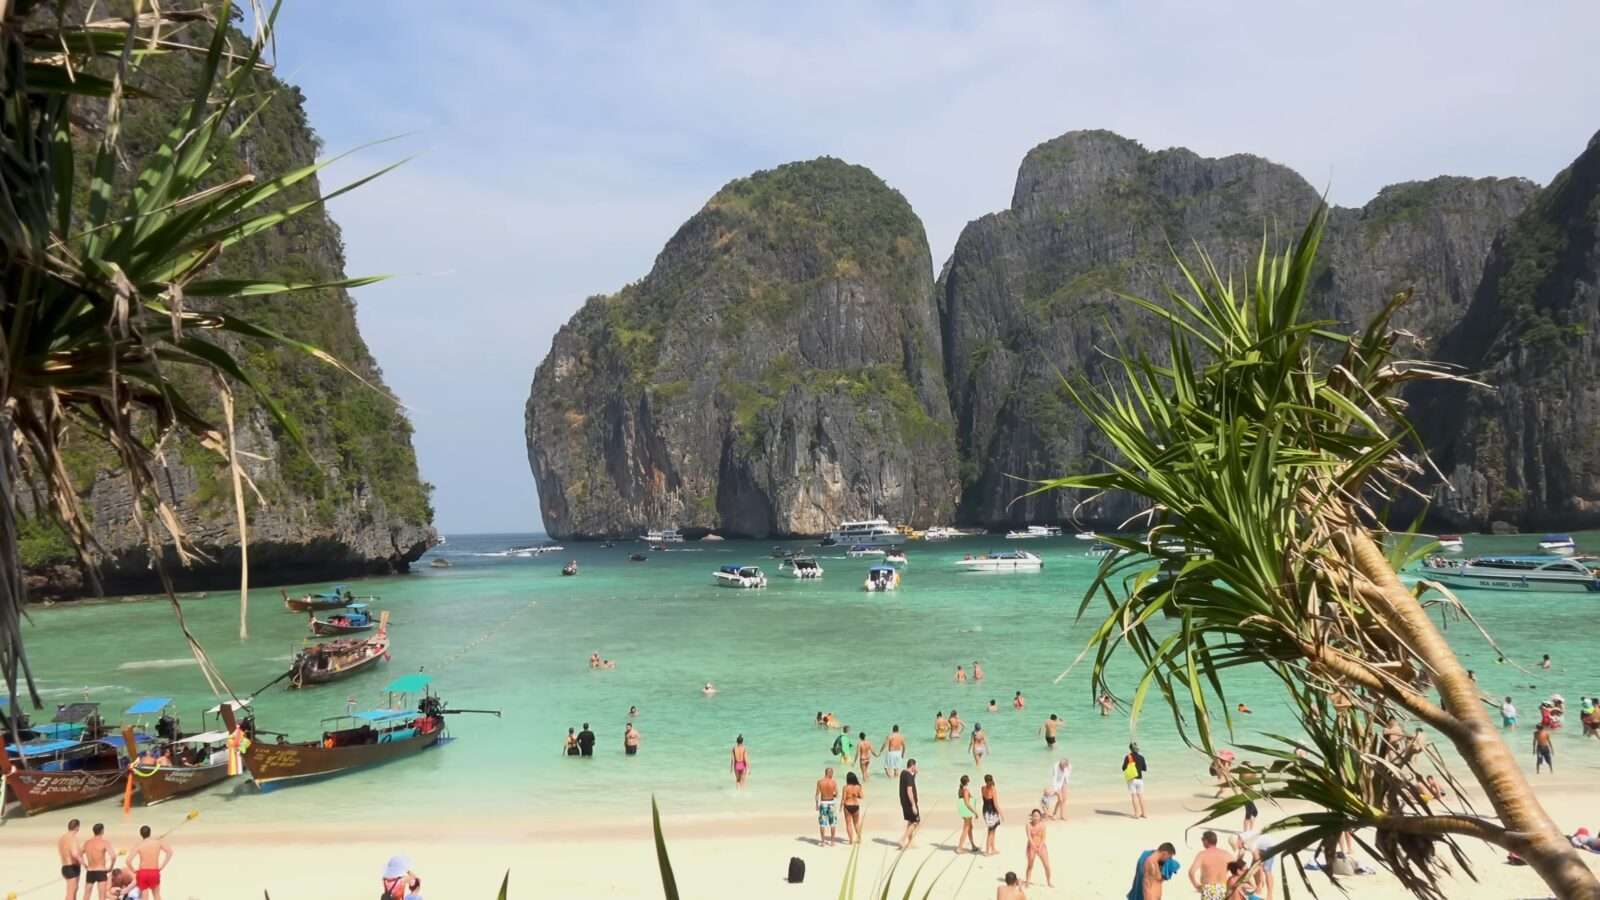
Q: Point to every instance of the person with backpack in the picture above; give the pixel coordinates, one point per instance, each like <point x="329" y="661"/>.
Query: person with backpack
<point x="399" y="882"/>
<point x="1133" y="769"/>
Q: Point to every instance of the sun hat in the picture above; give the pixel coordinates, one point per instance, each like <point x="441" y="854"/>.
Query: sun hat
<point x="398" y="866"/>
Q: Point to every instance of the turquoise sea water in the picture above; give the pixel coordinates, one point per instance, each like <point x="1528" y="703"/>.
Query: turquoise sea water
<point x="511" y="633"/>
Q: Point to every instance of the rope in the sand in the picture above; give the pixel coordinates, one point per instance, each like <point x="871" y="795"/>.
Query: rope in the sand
<point x="13" y="895"/>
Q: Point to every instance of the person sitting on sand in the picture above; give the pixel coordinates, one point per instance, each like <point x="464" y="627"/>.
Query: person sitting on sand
<point x="399" y="882"/>
<point x="1010" y="890"/>
<point x="1582" y="840"/>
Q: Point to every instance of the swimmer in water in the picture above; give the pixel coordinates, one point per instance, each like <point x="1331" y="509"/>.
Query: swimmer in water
<point x="1017" y="702"/>
<point x="977" y="671"/>
<point x="709" y="689"/>
<point x="961" y="675"/>
<point x="1244" y="709"/>
<point x="633" y="711"/>
<point x="992" y="707"/>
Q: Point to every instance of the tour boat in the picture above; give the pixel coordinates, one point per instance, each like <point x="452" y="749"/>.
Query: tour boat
<point x="1005" y="561"/>
<point x="1033" y="532"/>
<point x="540" y="550"/>
<point x="662" y="536"/>
<point x="860" y="550"/>
<point x="800" y="567"/>
<point x="741" y="577"/>
<point x="1517" y="573"/>
<point x="1561" y="544"/>
<point x="882" y="578"/>
<point x="570" y="568"/>
<point x="940" y="533"/>
<point x="1450" y="543"/>
<point x="869" y="532"/>
<point x="895" y="556"/>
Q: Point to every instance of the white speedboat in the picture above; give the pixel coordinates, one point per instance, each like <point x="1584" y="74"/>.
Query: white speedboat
<point x="1516" y="573"/>
<point x="1100" y="550"/>
<point x="800" y="567"/>
<point x="871" y="532"/>
<point x="534" y="551"/>
<point x="1005" y="561"/>
<point x="860" y="550"/>
<point x="662" y="536"/>
<point x="1034" y="532"/>
<point x="895" y="557"/>
<point x="940" y="533"/>
<point x="1560" y="544"/>
<point x="882" y="578"/>
<point x="1450" y="543"/>
<point x="1087" y="536"/>
<point x="741" y="577"/>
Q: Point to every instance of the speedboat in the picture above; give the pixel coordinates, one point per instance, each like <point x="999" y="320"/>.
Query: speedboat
<point x="571" y="568"/>
<point x="1100" y="550"/>
<point x="895" y="556"/>
<point x="800" y="567"/>
<point x="939" y="533"/>
<point x="1004" y="561"/>
<point x="859" y="550"/>
<point x="868" y="532"/>
<point x="1516" y="573"/>
<point x="1450" y="543"/>
<point x="1034" y="532"/>
<point x="741" y="577"/>
<point x="882" y="578"/>
<point x="1560" y="544"/>
<point x="1087" y="536"/>
<point x="662" y="536"/>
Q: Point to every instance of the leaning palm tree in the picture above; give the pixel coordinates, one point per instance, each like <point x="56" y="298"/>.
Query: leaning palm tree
<point x="1269" y="448"/>
<point x="111" y="330"/>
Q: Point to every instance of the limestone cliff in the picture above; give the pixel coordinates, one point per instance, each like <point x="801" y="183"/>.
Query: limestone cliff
<point x="778" y="370"/>
<point x="1528" y="451"/>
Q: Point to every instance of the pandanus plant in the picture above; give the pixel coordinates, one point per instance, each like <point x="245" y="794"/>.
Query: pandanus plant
<point x="110" y="307"/>
<point x="1269" y="448"/>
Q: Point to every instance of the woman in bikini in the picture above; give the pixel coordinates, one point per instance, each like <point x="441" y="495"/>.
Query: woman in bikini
<point x="964" y="810"/>
<point x="979" y="745"/>
<point x="991" y="813"/>
<point x="570" y="748"/>
<point x="741" y="762"/>
<point x="851" y="801"/>
<point x="941" y="726"/>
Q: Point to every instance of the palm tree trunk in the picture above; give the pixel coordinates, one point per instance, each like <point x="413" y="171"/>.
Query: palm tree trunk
<point x="1529" y="830"/>
<point x="13" y="591"/>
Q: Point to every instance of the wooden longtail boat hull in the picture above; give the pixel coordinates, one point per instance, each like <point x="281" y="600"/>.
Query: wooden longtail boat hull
<point x="175" y="781"/>
<point x="273" y="765"/>
<point x="332" y="629"/>
<point x="43" y="791"/>
<point x="315" y="604"/>
<point x="343" y="666"/>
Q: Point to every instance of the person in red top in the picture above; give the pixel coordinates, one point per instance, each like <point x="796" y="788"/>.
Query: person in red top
<point x="399" y="882"/>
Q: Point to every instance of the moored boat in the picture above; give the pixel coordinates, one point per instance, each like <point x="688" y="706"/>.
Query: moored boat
<point x="882" y="578"/>
<point x="1560" y="544"/>
<point x="337" y="598"/>
<point x="800" y="567"/>
<point x="1004" y="561"/>
<point x="331" y="661"/>
<point x="868" y="532"/>
<point x="895" y="556"/>
<point x="1099" y="550"/>
<point x="662" y="536"/>
<point x="359" y="740"/>
<point x="48" y="773"/>
<point x="1450" y="543"/>
<point x="741" y="577"/>
<point x="862" y="550"/>
<point x="1516" y="573"/>
<point x="439" y="562"/>
<point x="940" y="533"/>
<point x="1034" y="532"/>
<point x="571" y="568"/>
<point x="1087" y="536"/>
<point x="353" y="619"/>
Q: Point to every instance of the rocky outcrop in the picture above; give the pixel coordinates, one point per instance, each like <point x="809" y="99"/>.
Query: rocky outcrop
<point x="777" y="371"/>
<point x="1528" y="449"/>
<point x="350" y="502"/>
<point x="1028" y="296"/>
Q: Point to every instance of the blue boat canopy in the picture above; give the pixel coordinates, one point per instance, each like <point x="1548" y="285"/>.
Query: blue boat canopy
<point x="409" y="684"/>
<point x="148" y="705"/>
<point x="382" y="715"/>
<point x="733" y="570"/>
<point x="115" y="740"/>
<point x="883" y="569"/>
<point x="1557" y="538"/>
<point x="39" y="748"/>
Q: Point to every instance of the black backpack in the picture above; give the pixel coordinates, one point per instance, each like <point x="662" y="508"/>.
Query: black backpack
<point x="838" y="746"/>
<point x="797" y="870"/>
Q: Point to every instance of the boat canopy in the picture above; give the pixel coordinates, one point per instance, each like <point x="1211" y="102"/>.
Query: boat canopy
<point x="148" y="705"/>
<point x="358" y="607"/>
<point x="409" y="684"/>
<point x="886" y="570"/>
<point x="1558" y="539"/>
<point x="235" y="705"/>
<point x="75" y="712"/>
<point x="40" y="748"/>
<point x="732" y="570"/>
<point x="379" y="716"/>
<point x="205" y="737"/>
<point x="115" y="740"/>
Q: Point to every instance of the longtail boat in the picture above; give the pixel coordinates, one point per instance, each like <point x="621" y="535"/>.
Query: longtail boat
<point x="338" y="597"/>
<point x="51" y="772"/>
<point x="353" y="619"/>
<point x="184" y="764"/>
<point x="358" y="740"/>
<point x="331" y="661"/>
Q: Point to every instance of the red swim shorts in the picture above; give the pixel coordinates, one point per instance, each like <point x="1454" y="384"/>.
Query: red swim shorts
<point x="148" y="878"/>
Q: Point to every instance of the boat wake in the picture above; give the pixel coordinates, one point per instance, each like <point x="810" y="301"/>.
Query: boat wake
<point x="156" y="664"/>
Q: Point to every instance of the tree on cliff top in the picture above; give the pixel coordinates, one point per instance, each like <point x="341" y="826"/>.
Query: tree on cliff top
<point x="94" y="331"/>
<point x="1267" y="448"/>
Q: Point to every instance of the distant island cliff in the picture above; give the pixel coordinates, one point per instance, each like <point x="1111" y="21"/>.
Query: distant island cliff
<point x="790" y="361"/>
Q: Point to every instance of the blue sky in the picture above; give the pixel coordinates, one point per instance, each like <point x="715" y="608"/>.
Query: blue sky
<point x="557" y="147"/>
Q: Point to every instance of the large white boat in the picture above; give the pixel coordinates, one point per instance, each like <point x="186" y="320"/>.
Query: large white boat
<point x="1561" y="544"/>
<point x="940" y="533"/>
<point x="872" y="532"/>
<point x="882" y="578"/>
<point x="1005" y="561"/>
<point x="741" y="577"/>
<point x="1034" y="532"/>
<point x="1516" y="573"/>
<point x="662" y="536"/>
<point x="800" y="567"/>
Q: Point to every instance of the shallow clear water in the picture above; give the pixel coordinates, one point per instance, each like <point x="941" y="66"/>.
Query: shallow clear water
<point x="511" y="633"/>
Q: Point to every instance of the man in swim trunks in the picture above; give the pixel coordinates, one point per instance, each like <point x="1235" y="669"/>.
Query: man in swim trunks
<point x="630" y="740"/>
<point x="1209" y="871"/>
<point x="910" y="806"/>
<point x="1508" y="714"/>
<point x="97" y="861"/>
<point x="1543" y="750"/>
<point x="894" y="752"/>
<point x="864" y="756"/>
<point x="71" y="858"/>
<point x="1048" y="729"/>
<point x="586" y="741"/>
<point x="827" y="803"/>
<point x="741" y="762"/>
<point x="148" y="858"/>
